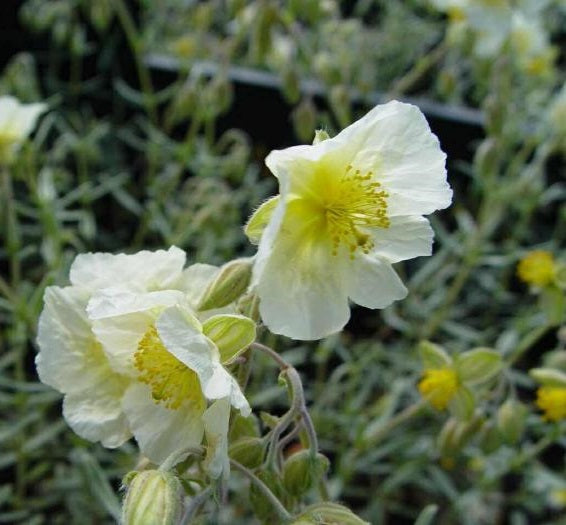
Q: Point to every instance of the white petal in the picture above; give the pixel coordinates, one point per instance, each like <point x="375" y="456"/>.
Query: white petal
<point x="142" y="271"/>
<point x="69" y="358"/>
<point x="183" y="338"/>
<point x="161" y="431"/>
<point x="121" y="318"/>
<point x="95" y="413"/>
<point x="373" y="283"/>
<point x="216" y="420"/>
<point x="406" y="237"/>
<point x="16" y="119"/>
<point x="301" y="290"/>
<point x="406" y="158"/>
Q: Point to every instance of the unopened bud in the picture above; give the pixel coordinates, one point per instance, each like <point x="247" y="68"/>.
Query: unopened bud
<point x="330" y="513"/>
<point x="301" y="470"/>
<point x="511" y="418"/>
<point x="290" y="84"/>
<point x="248" y="451"/>
<point x="304" y="120"/>
<point x="320" y="135"/>
<point x="230" y="283"/>
<point x="455" y="434"/>
<point x="341" y="105"/>
<point x="261" y="506"/>
<point x="248" y="305"/>
<point x="153" y="496"/>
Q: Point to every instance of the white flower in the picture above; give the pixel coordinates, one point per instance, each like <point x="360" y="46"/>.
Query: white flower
<point x="349" y="207"/>
<point x="132" y="359"/>
<point x="16" y="123"/>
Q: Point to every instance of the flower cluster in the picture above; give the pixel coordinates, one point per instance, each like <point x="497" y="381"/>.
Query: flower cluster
<point x="125" y="346"/>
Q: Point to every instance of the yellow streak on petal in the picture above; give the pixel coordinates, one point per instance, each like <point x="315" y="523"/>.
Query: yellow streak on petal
<point x="172" y="382"/>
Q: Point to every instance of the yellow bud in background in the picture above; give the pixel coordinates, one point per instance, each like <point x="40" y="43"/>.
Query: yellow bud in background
<point x="552" y="401"/>
<point x="153" y="497"/>
<point x="439" y="386"/>
<point x="537" y="268"/>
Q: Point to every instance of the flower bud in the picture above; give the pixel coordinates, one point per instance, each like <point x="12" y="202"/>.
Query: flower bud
<point x="261" y="506"/>
<point x="327" y="512"/>
<point x="320" y="135"/>
<point x="304" y="120"/>
<point x="301" y="470"/>
<point x="248" y="305"/>
<point x="248" y="451"/>
<point x="230" y="283"/>
<point x="153" y="496"/>
<point x="290" y="84"/>
<point x="511" y="418"/>
<point x="455" y="434"/>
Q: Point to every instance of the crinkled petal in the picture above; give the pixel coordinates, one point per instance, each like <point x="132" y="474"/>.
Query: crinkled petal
<point x="161" y="431"/>
<point x="406" y="237"/>
<point x="69" y="357"/>
<point x="95" y="413"/>
<point x="373" y="283"/>
<point x="142" y="271"/>
<point x="216" y="421"/>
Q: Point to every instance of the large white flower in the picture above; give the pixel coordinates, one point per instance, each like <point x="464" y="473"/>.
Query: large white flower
<point x="133" y="359"/>
<point x="348" y="208"/>
<point x="16" y="123"/>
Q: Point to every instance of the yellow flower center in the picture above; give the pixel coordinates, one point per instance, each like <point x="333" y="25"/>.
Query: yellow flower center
<point x="552" y="401"/>
<point x="438" y="386"/>
<point x="537" y="268"/>
<point x="172" y="383"/>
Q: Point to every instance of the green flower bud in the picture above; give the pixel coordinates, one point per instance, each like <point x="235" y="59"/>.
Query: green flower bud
<point x="248" y="451"/>
<point x="261" y="506"/>
<point x="341" y="105"/>
<point x="248" y="305"/>
<point x="153" y="497"/>
<point x="290" y="84"/>
<point x="455" y="434"/>
<point x="301" y="470"/>
<point x="490" y="439"/>
<point x="230" y="283"/>
<point x="486" y="158"/>
<point x="511" y="418"/>
<point x="328" y="514"/>
<point x="320" y="135"/>
<point x="549" y="377"/>
<point x="304" y="120"/>
<point x="242" y="427"/>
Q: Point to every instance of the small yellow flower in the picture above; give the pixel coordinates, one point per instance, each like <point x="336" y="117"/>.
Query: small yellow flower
<point x="552" y="400"/>
<point x="439" y="386"/>
<point x="537" y="268"/>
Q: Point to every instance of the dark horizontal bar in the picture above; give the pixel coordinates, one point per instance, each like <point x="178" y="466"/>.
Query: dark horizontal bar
<point x="246" y="75"/>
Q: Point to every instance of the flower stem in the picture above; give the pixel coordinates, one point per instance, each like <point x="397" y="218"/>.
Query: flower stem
<point x="194" y="505"/>
<point x="277" y="505"/>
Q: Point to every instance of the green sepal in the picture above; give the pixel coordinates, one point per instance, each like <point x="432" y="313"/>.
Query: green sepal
<point x="462" y="404"/>
<point x="478" y="366"/>
<point x="232" y="334"/>
<point x="259" y="220"/>
<point x="433" y="356"/>
<point x="549" y="377"/>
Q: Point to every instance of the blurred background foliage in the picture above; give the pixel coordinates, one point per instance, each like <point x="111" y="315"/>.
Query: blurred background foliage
<point x="161" y="115"/>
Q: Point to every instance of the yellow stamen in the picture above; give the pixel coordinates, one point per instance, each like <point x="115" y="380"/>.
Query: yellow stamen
<point x="172" y="383"/>
<point x="438" y="386"/>
<point x="357" y="201"/>
<point x="552" y="401"/>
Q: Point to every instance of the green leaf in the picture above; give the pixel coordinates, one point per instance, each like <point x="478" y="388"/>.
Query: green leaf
<point x="259" y="220"/>
<point x="433" y="356"/>
<point x="462" y="404"/>
<point x="427" y="515"/>
<point x="478" y="365"/>
<point x="232" y="334"/>
<point x="549" y="377"/>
